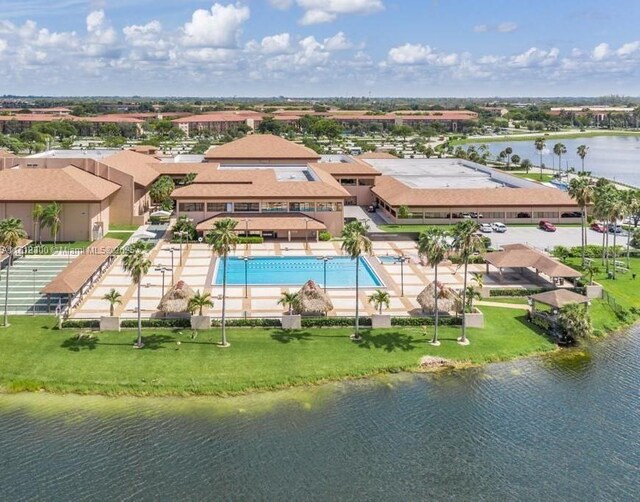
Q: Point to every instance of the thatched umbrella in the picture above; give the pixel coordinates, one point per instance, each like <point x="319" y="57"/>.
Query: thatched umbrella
<point x="176" y="301"/>
<point x="448" y="300"/>
<point x="313" y="300"/>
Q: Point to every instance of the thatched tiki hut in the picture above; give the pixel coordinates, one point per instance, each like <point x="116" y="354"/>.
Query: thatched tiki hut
<point x="313" y="301"/>
<point x="176" y="300"/>
<point x="448" y="300"/>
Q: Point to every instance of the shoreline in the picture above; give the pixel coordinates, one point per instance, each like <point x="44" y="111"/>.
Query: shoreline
<point x="451" y="367"/>
<point x="542" y="134"/>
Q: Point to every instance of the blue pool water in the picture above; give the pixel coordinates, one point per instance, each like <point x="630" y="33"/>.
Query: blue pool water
<point x="296" y="270"/>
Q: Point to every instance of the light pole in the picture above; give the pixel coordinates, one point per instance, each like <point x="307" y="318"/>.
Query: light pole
<point x="171" y="250"/>
<point x="401" y="259"/>
<point x="162" y="270"/>
<point x="246" y="260"/>
<point x="35" y="271"/>
<point x="181" y="234"/>
<point x="324" y="259"/>
<point x="306" y="233"/>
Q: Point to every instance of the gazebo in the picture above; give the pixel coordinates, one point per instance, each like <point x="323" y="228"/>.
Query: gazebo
<point x="523" y="257"/>
<point x="556" y="299"/>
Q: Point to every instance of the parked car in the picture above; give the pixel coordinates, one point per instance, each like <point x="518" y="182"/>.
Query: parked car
<point x="597" y="227"/>
<point x="475" y="215"/>
<point x="615" y="229"/>
<point x="547" y="226"/>
<point x="499" y="227"/>
<point x="486" y="228"/>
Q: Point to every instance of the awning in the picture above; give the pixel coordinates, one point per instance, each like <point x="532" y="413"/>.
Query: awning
<point x="261" y="222"/>
<point x="521" y="255"/>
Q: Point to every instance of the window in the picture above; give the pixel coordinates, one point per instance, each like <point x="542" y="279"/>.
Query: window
<point x="250" y="207"/>
<point x="275" y="207"/>
<point x="365" y="182"/>
<point x="216" y="207"/>
<point x="435" y="216"/>
<point x="301" y="206"/>
<point x="329" y="206"/>
<point x="189" y="207"/>
<point x="348" y="182"/>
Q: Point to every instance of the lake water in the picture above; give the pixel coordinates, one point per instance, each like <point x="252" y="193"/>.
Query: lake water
<point x="559" y="428"/>
<point x="614" y="157"/>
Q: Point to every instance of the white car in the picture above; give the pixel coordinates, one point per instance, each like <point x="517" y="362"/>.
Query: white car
<point x="486" y="228"/>
<point x="499" y="228"/>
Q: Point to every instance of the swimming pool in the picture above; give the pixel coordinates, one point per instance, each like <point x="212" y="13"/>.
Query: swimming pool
<point x="296" y="270"/>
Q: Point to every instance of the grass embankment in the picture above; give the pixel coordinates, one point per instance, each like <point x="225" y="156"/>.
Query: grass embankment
<point x="123" y="228"/>
<point x="123" y="236"/>
<point x="624" y="289"/>
<point x="544" y="178"/>
<point x="532" y="136"/>
<point x="35" y="356"/>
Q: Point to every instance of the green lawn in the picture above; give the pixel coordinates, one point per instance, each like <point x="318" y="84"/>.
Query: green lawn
<point x="35" y="356"/>
<point x="519" y="300"/>
<point x="123" y="228"/>
<point x="545" y="178"/>
<point x="123" y="236"/>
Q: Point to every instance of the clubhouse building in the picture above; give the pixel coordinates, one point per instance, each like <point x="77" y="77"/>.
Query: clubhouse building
<point x="273" y="187"/>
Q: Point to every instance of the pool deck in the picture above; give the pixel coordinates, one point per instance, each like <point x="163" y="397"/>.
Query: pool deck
<point x="198" y="268"/>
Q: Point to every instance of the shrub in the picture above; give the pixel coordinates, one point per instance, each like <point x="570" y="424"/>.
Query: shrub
<point x="425" y="321"/>
<point x="324" y="236"/>
<point x="81" y="324"/>
<point x="249" y="323"/>
<point x="333" y="322"/>
<point x="252" y="239"/>
<point x="513" y="292"/>
<point x="178" y="322"/>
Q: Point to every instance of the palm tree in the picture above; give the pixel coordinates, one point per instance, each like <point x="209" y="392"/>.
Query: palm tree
<point x="526" y="165"/>
<point x="508" y="151"/>
<point x="582" y="191"/>
<point x="380" y="299"/>
<point x="559" y="149"/>
<point x="290" y="300"/>
<point x="356" y="243"/>
<point x="434" y="246"/>
<point x="222" y="240"/>
<point x="199" y="301"/>
<point x="11" y="231"/>
<point x="136" y="264"/>
<point x="582" y="153"/>
<point x="603" y="194"/>
<point x="632" y="200"/>
<point x="590" y="269"/>
<point x="540" y="146"/>
<point x="575" y="321"/>
<point x="617" y="209"/>
<point x="114" y="298"/>
<point x="466" y="242"/>
<point x="51" y="219"/>
<point x="37" y="214"/>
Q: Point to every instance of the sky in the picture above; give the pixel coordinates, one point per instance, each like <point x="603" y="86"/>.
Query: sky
<point x="305" y="48"/>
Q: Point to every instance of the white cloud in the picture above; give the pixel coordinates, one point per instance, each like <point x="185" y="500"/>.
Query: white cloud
<point x="3" y="45"/>
<point x="507" y="27"/>
<point x="276" y="44"/>
<point x="281" y="4"/>
<point x="416" y="54"/>
<point x="600" y="51"/>
<point x="102" y="37"/>
<point x="218" y="27"/>
<point x="535" y="57"/>
<point x="325" y="11"/>
<point x="338" y="42"/>
<point x="628" y="49"/>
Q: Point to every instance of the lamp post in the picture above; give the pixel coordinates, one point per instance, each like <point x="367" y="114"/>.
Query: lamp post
<point x="306" y="233"/>
<point x="162" y="270"/>
<point x="401" y="260"/>
<point x="324" y="259"/>
<point x="181" y="234"/>
<point x="246" y="260"/>
<point x="35" y="271"/>
<point x="171" y="250"/>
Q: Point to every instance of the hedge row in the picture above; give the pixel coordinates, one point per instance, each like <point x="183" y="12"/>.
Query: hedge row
<point x="309" y="322"/>
<point x="519" y="292"/>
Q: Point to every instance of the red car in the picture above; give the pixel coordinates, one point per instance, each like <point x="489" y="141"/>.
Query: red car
<point x="547" y="226"/>
<point x="598" y="227"/>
